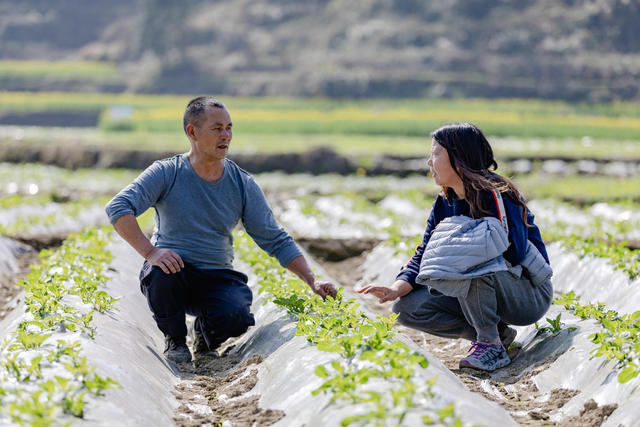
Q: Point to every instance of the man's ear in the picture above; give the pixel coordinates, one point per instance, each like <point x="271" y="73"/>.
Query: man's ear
<point x="191" y="131"/>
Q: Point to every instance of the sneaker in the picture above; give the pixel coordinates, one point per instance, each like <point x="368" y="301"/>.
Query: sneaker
<point x="507" y="336"/>
<point x="487" y="357"/>
<point x="176" y="350"/>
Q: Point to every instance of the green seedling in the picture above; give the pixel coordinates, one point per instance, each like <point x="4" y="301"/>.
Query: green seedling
<point x="28" y="340"/>
<point x="76" y="268"/>
<point x="335" y="325"/>
<point x="74" y="403"/>
<point x="619" y="340"/>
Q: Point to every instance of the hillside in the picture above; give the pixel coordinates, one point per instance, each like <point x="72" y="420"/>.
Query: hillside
<point x="577" y="50"/>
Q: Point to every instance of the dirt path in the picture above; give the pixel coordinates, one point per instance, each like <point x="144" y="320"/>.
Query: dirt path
<point x="514" y="390"/>
<point x="209" y="390"/>
<point x="212" y="387"/>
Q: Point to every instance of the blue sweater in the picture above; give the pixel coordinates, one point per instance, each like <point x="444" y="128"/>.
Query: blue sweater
<point x="195" y="217"/>
<point x="518" y="232"/>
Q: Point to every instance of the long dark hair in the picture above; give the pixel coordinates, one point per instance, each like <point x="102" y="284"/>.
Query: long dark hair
<point x="472" y="159"/>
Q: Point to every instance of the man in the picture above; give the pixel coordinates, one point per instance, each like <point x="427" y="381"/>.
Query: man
<point x="199" y="197"/>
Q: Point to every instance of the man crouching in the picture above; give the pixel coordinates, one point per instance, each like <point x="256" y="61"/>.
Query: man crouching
<point x="199" y="197"/>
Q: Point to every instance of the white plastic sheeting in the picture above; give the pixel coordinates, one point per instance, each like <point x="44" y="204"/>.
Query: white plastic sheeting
<point x="61" y="222"/>
<point x="286" y="376"/>
<point x="593" y="280"/>
<point x="550" y="212"/>
<point x="128" y="348"/>
<point x="337" y="220"/>
<point x="10" y="252"/>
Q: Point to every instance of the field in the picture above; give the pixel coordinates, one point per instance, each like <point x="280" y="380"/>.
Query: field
<point x="258" y="116"/>
<point x="343" y="361"/>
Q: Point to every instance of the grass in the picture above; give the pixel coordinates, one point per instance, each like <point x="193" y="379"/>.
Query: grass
<point x="580" y="189"/>
<point x="58" y="70"/>
<point x="278" y="116"/>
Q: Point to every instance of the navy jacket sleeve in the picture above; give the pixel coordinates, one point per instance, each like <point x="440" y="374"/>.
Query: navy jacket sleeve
<point x="536" y="238"/>
<point x="410" y="271"/>
<point x="519" y="233"/>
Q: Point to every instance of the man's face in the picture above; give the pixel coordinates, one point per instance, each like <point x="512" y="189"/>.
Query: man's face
<point x="212" y="138"/>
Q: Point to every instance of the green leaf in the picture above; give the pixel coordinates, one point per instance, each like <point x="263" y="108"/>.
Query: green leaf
<point x="368" y="355"/>
<point x="627" y="374"/>
<point x="321" y="371"/>
<point x="445" y="412"/>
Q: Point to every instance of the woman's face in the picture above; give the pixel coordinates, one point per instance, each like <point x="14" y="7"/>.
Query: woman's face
<point x="440" y="165"/>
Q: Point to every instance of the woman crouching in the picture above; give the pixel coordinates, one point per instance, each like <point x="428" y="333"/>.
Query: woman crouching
<point x="482" y="265"/>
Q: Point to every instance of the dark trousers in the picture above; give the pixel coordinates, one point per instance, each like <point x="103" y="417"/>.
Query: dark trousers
<point x="219" y="299"/>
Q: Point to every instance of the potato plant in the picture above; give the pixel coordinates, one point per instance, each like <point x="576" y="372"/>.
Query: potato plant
<point x="369" y="353"/>
<point x="42" y="372"/>
<point x="619" y="339"/>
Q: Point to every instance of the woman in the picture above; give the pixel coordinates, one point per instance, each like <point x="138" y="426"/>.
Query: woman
<point x="479" y="308"/>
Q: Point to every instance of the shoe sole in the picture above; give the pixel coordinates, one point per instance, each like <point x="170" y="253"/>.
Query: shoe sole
<point x="499" y="365"/>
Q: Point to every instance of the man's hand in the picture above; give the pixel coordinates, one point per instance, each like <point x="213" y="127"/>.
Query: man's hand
<point x="166" y="259"/>
<point x="383" y="293"/>
<point x="323" y="289"/>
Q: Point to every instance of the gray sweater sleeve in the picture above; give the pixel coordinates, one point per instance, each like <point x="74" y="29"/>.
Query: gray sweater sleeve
<point x="140" y="195"/>
<point x="262" y="226"/>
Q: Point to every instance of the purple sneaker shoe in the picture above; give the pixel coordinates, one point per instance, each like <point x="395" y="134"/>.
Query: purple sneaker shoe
<point x="487" y="357"/>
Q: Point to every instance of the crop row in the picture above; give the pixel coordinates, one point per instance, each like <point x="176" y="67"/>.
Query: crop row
<point x="52" y="217"/>
<point x="394" y="219"/>
<point x="24" y="216"/>
<point x="369" y="353"/>
<point x="619" y="339"/>
<point x="33" y="180"/>
<point x="617" y="253"/>
<point x="601" y="230"/>
<point x="397" y="217"/>
<point x="43" y="373"/>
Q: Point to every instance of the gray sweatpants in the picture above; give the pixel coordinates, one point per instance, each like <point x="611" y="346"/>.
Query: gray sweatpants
<point x="500" y="298"/>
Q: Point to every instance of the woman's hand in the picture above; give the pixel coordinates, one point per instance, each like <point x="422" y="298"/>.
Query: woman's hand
<point x="383" y="293"/>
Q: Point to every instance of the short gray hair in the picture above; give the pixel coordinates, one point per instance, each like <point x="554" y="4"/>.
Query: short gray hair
<point x="194" y="113"/>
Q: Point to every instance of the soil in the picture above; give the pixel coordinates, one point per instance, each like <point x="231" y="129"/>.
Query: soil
<point x="515" y="391"/>
<point x="41" y="241"/>
<point x="214" y="389"/>
<point x="9" y="291"/>
<point x="69" y="154"/>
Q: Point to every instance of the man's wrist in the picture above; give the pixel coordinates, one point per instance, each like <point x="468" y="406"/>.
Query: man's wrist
<point x="311" y="280"/>
<point x="148" y="252"/>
